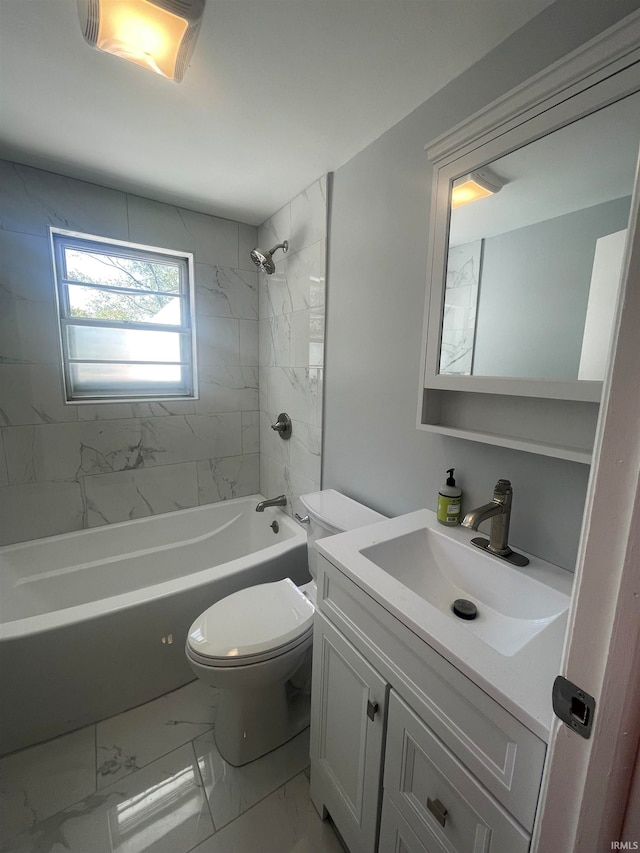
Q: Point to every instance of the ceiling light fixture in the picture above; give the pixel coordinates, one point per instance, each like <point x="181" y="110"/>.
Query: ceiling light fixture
<point x="158" y="34"/>
<point x="478" y="184"/>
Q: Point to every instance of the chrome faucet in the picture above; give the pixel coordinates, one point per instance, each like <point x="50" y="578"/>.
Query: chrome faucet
<point x="281" y="500"/>
<point x="499" y="511"/>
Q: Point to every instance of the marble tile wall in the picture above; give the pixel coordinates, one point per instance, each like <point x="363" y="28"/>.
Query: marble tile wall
<point x="460" y="308"/>
<point x="291" y="345"/>
<point x="64" y="467"/>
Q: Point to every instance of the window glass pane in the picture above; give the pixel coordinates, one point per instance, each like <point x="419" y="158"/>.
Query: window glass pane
<point x="104" y="291"/>
<point x="116" y="271"/>
<point x="132" y="379"/>
<point x="110" y="305"/>
<point x="92" y="342"/>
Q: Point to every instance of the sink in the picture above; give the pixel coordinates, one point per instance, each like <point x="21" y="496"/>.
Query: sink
<point x="513" y="604"/>
<point x="415" y="568"/>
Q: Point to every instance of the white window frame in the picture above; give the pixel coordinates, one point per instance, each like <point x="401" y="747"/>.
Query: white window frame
<point x="61" y="239"/>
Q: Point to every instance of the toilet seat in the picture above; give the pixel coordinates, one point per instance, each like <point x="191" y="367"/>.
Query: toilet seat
<point x="238" y="662"/>
<point x="252" y="625"/>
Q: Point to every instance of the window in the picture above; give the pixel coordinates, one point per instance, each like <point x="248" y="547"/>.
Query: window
<point x="126" y="319"/>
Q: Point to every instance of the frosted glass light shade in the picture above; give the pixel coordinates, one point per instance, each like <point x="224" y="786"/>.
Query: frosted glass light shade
<point x="473" y="186"/>
<point x="157" y="34"/>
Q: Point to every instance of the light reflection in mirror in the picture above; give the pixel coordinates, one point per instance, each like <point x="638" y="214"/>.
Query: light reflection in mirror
<point x="533" y="270"/>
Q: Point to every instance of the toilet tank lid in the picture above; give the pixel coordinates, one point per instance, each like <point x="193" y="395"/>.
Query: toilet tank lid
<point x="337" y="511"/>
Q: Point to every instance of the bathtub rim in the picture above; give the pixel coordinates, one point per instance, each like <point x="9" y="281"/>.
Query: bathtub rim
<point x="32" y="625"/>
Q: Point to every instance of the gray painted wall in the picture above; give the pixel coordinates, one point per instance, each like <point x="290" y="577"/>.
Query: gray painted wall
<point x="376" y="287"/>
<point x="534" y="290"/>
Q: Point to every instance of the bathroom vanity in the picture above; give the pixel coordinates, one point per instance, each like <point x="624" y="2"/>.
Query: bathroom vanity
<point x="428" y="733"/>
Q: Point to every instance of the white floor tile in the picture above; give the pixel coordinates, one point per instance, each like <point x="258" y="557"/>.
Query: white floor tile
<point x="160" y="809"/>
<point x="284" y="822"/>
<point x="37" y="782"/>
<point x="233" y="790"/>
<point x="136" y="738"/>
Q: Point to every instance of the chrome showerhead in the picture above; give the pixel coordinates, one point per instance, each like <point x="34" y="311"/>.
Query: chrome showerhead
<point x="264" y="260"/>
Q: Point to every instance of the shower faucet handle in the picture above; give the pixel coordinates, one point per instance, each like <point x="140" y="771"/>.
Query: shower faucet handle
<point x="302" y="519"/>
<point x="283" y="425"/>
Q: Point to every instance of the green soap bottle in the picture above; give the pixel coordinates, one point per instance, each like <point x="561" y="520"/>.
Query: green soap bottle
<point x="449" y="501"/>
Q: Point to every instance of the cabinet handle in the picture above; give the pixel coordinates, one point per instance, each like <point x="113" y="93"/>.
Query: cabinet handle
<point x="372" y="709"/>
<point x="437" y="810"/>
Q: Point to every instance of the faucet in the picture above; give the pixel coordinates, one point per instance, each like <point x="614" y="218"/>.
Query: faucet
<point x="499" y="511"/>
<point x="281" y="500"/>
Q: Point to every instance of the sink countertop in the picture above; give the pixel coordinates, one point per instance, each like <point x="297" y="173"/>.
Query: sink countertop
<point x="520" y="682"/>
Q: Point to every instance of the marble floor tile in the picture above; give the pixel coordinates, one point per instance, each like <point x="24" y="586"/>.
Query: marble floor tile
<point x="37" y="782"/>
<point x="160" y="809"/>
<point x="284" y="822"/>
<point x="134" y="739"/>
<point x="233" y="790"/>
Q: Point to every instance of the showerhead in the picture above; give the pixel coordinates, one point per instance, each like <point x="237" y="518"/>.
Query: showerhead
<point x="264" y="260"/>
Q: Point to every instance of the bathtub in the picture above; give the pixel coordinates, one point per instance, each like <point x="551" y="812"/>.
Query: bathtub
<point x="94" y="622"/>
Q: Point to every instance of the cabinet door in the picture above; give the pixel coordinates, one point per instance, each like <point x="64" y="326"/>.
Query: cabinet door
<point x="347" y="725"/>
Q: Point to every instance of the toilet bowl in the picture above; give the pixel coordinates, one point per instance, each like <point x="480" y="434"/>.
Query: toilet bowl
<point x="255" y="645"/>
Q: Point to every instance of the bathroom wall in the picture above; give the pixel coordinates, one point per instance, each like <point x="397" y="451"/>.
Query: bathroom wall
<point x="534" y="283"/>
<point x="65" y="467"/>
<point x="377" y="272"/>
<point x="292" y="315"/>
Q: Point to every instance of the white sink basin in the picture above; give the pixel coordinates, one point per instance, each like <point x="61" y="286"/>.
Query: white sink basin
<point x="415" y="569"/>
<point x="512" y="607"/>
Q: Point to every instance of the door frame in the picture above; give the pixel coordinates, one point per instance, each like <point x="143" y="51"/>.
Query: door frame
<point x="586" y="782"/>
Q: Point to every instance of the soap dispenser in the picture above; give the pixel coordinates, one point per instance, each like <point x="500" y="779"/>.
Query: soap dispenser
<point x="449" y="501"/>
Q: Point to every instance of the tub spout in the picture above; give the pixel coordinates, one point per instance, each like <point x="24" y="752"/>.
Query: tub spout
<point x="281" y="500"/>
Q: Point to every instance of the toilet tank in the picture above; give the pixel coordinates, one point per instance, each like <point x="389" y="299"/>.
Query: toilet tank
<point x="332" y="512"/>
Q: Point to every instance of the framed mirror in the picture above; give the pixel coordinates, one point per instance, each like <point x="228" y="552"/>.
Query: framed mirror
<point x="523" y="280"/>
<point x="533" y="268"/>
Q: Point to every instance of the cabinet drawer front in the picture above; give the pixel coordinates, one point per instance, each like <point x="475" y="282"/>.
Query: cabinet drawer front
<point x="396" y="836"/>
<point x="501" y="752"/>
<point x="438" y="797"/>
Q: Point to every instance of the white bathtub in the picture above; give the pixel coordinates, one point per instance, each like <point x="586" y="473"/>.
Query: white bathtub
<point x="94" y="622"/>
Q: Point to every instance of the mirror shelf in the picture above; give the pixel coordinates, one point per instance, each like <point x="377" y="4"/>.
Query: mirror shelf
<point x="589" y="392"/>
<point x="542" y="448"/>
<point x="486" y="265"/>
<point x="563" y="429"/>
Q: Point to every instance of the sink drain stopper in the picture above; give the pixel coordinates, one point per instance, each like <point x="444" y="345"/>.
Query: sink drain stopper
<point x="464" y="608"/>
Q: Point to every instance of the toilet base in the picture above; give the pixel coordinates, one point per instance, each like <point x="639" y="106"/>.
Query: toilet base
<point x="251" y="723"/>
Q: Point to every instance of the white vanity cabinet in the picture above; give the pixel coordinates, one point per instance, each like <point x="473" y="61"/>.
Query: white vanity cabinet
<point x="348" y="716"/>
<point x="436" y="765"/>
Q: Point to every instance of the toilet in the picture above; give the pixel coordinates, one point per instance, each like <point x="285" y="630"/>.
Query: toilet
<point x="255" y="644"/>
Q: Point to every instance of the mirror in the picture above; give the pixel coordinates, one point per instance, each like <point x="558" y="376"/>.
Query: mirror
<point x="532" y="271"/>
<point x="522" y="284"/>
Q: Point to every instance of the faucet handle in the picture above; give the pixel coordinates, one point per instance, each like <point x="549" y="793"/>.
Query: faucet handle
<point x="283" y="425"/>
<point x="503" y="487"/>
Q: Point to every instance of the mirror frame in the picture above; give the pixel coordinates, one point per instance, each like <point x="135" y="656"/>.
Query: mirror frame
<point x="583" y="82"/>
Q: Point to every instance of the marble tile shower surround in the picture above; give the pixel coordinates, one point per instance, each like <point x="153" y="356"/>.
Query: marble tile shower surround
<point x="64" y="467"/>
<point x="460" y="308"/>
<point x="153" y="779"/>
<point x="291" y="345"/>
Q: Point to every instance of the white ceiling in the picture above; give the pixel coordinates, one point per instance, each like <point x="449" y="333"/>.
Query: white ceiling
<point x="278" y="93"/>
<point x="589" y="162"/>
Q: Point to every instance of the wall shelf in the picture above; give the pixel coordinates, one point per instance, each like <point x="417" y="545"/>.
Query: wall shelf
<point x="562" y="429"/>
